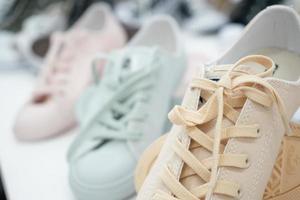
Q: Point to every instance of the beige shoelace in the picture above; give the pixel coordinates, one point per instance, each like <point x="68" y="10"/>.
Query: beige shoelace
<point x="223" y="99"/>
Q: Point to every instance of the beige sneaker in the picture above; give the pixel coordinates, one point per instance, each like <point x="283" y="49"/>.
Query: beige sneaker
<point x="228" y="134"/>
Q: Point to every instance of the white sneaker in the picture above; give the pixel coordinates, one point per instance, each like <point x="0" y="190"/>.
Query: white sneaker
<point x="66" y="73"/>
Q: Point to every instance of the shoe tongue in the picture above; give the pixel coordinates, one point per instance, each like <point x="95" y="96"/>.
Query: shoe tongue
<point x="130" y="61"/>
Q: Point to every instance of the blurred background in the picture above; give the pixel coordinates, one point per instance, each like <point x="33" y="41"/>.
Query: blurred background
<point x="27" y="24"/>
<point x="38" y="171"/>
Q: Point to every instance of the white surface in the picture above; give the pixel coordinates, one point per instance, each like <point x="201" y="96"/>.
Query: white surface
<point x="31" y="171"/>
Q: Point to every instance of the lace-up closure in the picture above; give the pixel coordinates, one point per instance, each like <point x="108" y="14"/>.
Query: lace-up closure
<point x="128" y="99"/>
<point x="223" y="99"/>
<point x="125" y="104"/>
<point x="120" y="113"/>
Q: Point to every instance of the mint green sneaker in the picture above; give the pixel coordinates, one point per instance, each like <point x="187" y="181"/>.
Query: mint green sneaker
<point x="121" y="114"/>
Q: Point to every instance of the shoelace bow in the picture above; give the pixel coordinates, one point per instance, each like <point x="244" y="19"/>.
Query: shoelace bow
<point x="223" y="98"/>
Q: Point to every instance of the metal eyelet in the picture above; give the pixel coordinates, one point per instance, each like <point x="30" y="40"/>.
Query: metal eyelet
<point x="239" y="193"/>
<point x="247" y="162"/>
<point x="258" y="133"/>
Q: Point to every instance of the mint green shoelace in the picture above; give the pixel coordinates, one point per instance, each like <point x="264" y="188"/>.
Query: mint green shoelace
<point x="116" y="106"/>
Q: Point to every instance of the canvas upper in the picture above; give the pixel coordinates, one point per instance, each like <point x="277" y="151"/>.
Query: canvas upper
<point x="227" y="134"/>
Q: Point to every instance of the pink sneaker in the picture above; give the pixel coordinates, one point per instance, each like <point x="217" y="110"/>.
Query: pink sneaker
<point x="67" y="72"/>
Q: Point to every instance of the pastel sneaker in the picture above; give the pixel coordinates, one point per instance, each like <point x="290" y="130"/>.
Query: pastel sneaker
<point x="236" y="137"/>
<point x="66" y="74"/>
<point x="121" y="114"/>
